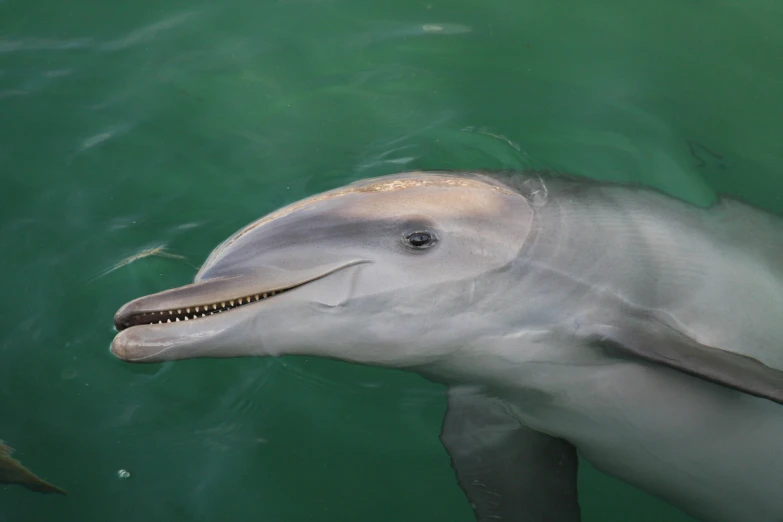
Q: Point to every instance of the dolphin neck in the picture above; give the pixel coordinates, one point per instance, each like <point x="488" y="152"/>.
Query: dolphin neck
<point x="625" y="241"/>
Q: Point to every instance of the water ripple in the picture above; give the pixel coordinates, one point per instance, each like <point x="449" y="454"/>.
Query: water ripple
<point x="147" y="33"/>
<point x="43" y="44"/>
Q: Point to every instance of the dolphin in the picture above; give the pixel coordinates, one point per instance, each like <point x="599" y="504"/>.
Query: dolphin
<point x="566" y="316"/>
<point x="13" y="472"/>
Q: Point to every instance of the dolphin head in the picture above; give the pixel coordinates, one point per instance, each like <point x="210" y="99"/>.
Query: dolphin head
<point x="378" y="272"/>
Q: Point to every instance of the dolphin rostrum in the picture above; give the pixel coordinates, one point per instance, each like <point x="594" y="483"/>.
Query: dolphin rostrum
<point x="13" y="472"/>
<point x="565" y="315"/>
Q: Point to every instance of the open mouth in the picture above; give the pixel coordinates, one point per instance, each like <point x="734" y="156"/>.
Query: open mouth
<point x="211" y="297"/>
<point x="190" y="313"/>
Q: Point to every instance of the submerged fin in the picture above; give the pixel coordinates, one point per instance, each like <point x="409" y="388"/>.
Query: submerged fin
<point x="13" y="472"/>
<point x="508" y="471"/>
<point x="656" y="342"/>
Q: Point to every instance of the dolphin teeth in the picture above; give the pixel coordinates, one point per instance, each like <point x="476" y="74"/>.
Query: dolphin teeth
<point x="187" y="314"/>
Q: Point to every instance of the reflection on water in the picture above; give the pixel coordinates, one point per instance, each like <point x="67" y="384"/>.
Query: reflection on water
<point x="38" y="44"/>
<point x="148" y="33"/>
<point x="131" y="128"/>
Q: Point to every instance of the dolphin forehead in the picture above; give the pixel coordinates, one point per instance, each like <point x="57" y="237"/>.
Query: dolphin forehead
<point x="415" y="179"/>
<point x="396" y="195"/>
<point x="385" y="184"/>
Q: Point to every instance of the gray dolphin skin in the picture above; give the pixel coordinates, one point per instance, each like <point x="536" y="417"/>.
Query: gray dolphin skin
<point x="566" y="316"/>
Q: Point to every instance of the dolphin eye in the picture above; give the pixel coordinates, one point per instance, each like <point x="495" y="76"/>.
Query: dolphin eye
<point x="420" y="240"/>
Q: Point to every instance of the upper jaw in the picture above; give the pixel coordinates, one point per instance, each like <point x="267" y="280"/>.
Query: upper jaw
<point x="217" y="296"/>
<point x="197" y="300"/>
<point x="219" y="334"/>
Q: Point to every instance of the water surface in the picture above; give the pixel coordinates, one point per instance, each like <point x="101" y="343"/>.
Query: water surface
<point x="134" y="137"/>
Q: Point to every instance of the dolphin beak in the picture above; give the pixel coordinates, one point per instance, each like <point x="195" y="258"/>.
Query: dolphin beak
<point x="188" y="321"/>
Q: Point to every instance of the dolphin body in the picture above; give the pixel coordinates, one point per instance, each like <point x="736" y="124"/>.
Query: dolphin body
<point x="564" y="315"/>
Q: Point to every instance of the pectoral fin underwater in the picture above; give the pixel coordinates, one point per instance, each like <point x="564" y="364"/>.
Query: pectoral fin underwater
<point x="13" y="472"/>
<point x="507" y="470"/>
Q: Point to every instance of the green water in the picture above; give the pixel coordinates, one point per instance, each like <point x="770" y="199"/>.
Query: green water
<point x="127" y="126"/>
